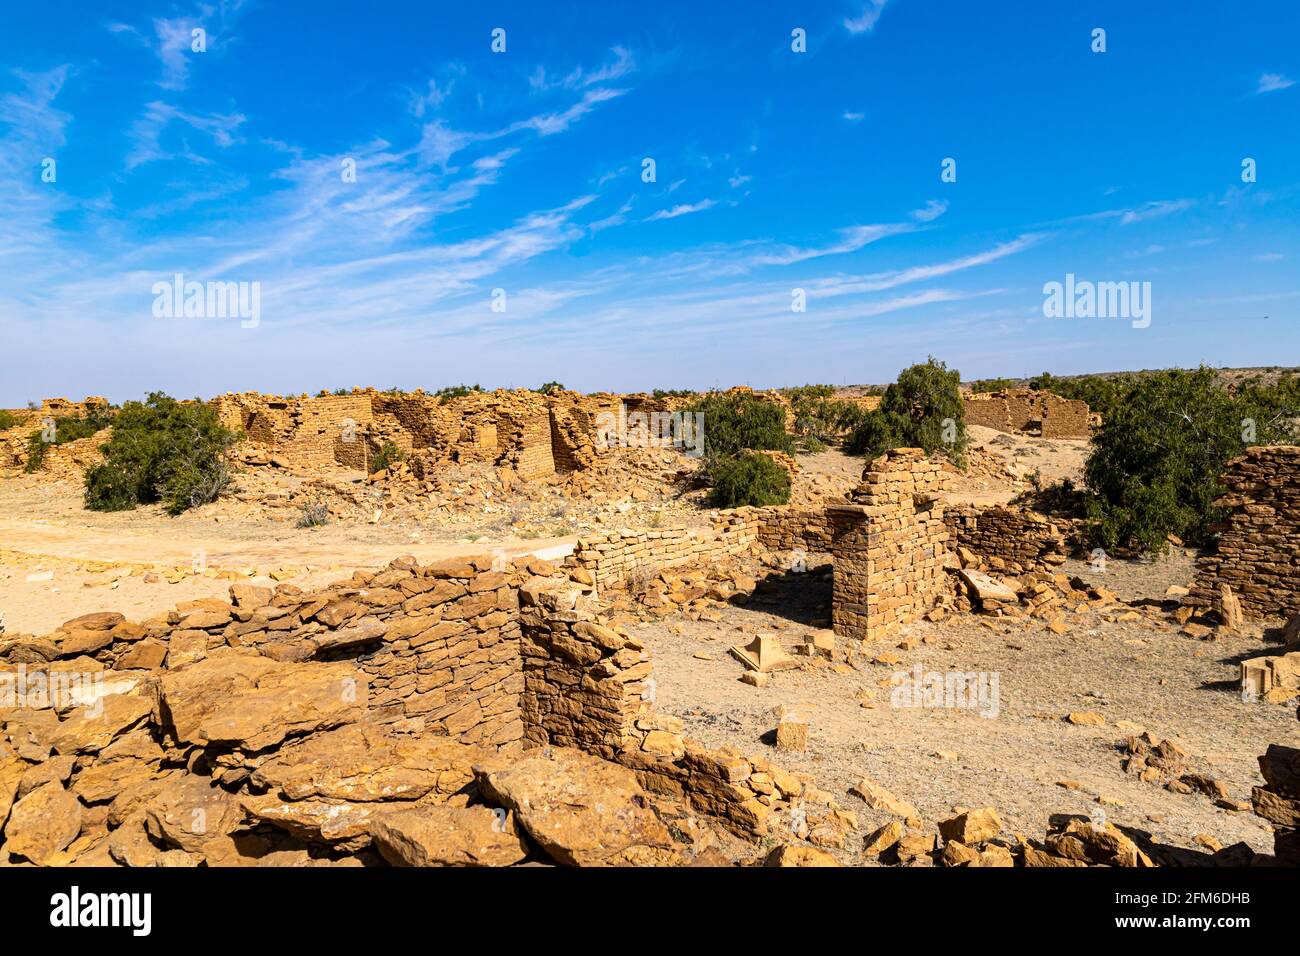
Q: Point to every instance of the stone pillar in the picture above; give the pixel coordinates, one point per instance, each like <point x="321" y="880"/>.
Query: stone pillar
<point x="890" y="546"/>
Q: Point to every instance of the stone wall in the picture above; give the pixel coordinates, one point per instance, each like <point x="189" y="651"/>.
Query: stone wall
<point x="1258" y="552"/>
<point x="1021" y="410"/>
<point x="1009" y="539"/>
<point x="585" y="684"/>
<point x="790" y="528"/>
<point x="536" y="435"/>
<point x="890" y="546"/>
<point x="615" y="558"/>
<point x="493" y="657"/>
<point x="618" y="558"/>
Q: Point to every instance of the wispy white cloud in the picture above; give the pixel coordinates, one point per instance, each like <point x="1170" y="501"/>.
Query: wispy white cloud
<point x="682" y="209"/>
<point x="146" y="133"/>
<point x="1272" y="82"/>
<point x="851" y="117"/>
<point x="866" y="19"/>
<point x="934" y="208"/>
<point x="621" y="65"/>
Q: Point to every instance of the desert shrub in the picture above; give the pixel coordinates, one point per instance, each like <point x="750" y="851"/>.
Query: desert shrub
<point x="68" y="428"/>
<point x="387" y="456"/>
<point x="991" y="385"/>
<point x="550" y="388"/>
<point x="923" y="409"/>
<point x="8" y="419"/>
<point x="161" y="450"/>
<point x="445" y="395"/>
<point x="741" y="421"/>
<point x="673" y="393"/>
<point x="313" y="514"/>
<point x="1103" y="393"/>
<point x="749" y="479"/>
<point x="819" y="417"/>
<point x="1155" y="464"/>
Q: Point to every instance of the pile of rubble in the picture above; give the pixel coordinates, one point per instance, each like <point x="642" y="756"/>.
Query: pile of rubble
<point x="239" y="760"/>
<point x="1161" y="761"/>
<point x="1278" y="801"/>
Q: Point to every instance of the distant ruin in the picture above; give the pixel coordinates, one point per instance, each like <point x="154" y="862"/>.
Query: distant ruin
<point x="1028" y="410"/>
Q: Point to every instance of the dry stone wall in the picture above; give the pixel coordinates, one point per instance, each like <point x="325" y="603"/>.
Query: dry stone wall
<point x="536" y="435"/>
<point x="1258" y="552"/>
<point x="890" y="546"/>
<point x="1010" y="539"/>
<point x="1021" y="410"/>
<point x="618" y="558"/>
<point x="493" y="657"/>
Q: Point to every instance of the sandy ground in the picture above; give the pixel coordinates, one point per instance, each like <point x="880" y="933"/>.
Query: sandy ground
<point x="58" y="560"/>
<point x="1015" y="759"/>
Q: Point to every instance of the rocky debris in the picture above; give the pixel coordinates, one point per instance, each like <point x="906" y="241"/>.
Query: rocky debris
<point x="449" y="836"/>
<point x="971" y="827"/>
<point x="1084" y="842"/>
<point x="1229" y="608"/>
<point x="580" y="810"/>
<point x="42" y="823"/>
<point x="799" y="854"/>
<point x="1278" y="801"/>
<point x="251" y="703"/>
<point x="366" y="763"/>
<point x="878" y="798"/>
<point x="989" y="592"/>
<point x="1085" y="718"/>
<point x="791" y="730"/>
<point x="1165" y="763"/>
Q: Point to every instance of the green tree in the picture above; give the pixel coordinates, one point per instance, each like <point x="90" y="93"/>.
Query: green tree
<point x="161" y="450"/>
<point x="923" y="409"/>
<point x="749" y="479"/>
<point x="1155" y="463"/>
<point x="741" y="421"/>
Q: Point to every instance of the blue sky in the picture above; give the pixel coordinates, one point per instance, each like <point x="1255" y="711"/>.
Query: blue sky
<point x="522" y="171"/>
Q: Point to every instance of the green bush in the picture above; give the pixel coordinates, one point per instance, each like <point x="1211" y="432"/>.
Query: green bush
<point x="1103" y="393"/>
<point x="68" y="428"/>
<point x="819" y="418"/>
<point x="923" y="409"/>
<point x="991" y="385"/>
<point x="445" y="395"/>
<point x="161" y="450"/>
<point x="387" y="456"/>
<point x="8" y="419"/>
<point x="550" y="388"/>
<point x="749" y="479"/>
<point x="673" y="393"/>
<point x="741" y="421"/>
<point x="1156" y="461"/>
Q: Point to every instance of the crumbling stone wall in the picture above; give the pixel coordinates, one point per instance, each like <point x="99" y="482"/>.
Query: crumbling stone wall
<point x="1009" y="539"/>
<point x="788" y="528"/>
<point x="1258" y="552"/>
<point x="493" y="657"/>
<point x="615" y="559"/>
<point x="536" y="435"/>
<point x="890" y="546"/>
<point x="1021" y="410"/>
<point x="585" y="684"/>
